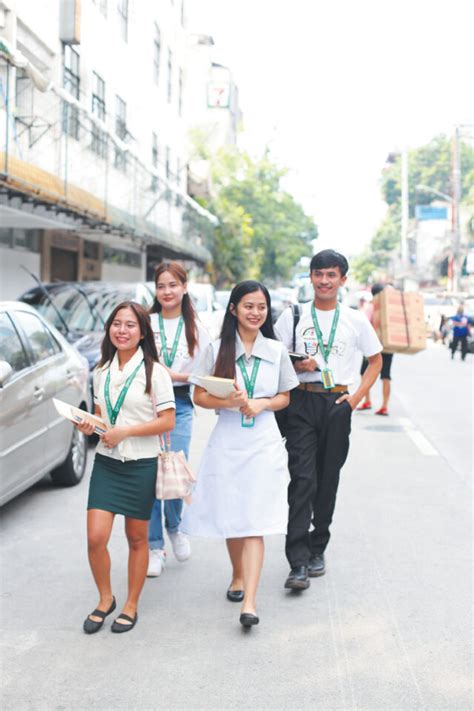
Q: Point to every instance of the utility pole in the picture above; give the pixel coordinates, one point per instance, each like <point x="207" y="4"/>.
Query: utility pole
<point x="405" y="211"/>
<point x="455" y="217"/>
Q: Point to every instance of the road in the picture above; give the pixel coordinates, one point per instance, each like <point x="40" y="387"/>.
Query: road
<point x="388" y="628"/>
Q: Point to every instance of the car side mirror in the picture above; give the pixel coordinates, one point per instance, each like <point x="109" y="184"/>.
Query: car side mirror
<point x="5" y="372"/>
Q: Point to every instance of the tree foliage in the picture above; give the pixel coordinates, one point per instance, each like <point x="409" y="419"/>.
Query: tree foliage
<point x="429" y="165"/>
<point x="263" y="231"/>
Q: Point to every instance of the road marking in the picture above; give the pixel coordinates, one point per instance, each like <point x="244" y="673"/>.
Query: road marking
<point x="418" y="438"/>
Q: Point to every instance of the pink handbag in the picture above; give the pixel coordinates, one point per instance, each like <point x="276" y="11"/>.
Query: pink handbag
<point x="174" y="477"/>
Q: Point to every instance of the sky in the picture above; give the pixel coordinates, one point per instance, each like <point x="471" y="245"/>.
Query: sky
<point x="334" y="86"/>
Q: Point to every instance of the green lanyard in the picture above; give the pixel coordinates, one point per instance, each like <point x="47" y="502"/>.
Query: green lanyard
<point x="169" y="359"/>
<point x="325" y="352"/>
<point x="249" y="385"/>
<point x="114" y="411"/>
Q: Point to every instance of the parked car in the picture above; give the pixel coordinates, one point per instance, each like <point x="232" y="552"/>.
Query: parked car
<point x="79" y="309"/>
<point x="222" y="297"/>
<point x="36" y="365"/>
<point x="210" y="311"/>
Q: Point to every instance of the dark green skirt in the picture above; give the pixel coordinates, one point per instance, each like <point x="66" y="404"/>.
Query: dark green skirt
<point x="126" y="488"/>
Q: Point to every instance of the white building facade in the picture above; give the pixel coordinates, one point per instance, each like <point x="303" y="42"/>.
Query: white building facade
<point x="93" y="141"/>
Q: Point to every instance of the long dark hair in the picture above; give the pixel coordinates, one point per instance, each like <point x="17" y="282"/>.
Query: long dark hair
<point x="187" y="308"/>
<point x="225" y="362"/>
<point x="147" y="343"/>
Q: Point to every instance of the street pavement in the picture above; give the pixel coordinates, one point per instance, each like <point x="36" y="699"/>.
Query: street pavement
<point x="388" y="628"/>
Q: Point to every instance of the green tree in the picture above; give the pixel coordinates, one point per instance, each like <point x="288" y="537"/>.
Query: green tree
<point x="429" y="165"/>
<point x="263" y="231"/>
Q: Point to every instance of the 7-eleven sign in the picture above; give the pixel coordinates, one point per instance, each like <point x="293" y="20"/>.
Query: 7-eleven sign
<point x="218" y="95"/>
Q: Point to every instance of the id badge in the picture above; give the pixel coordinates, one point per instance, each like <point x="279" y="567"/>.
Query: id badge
<point x="248" y="421"/>
<point x="328" y="379"/>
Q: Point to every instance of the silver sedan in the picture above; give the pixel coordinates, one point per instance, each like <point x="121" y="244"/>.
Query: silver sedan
<point x="37" y="364"/>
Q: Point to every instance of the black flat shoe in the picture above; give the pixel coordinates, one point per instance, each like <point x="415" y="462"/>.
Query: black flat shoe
<point x="298" y="578"/>
<point x="248" y="620"/>
<point x="91" y="626"/>
<point x="117" y="627"/>
<point x="235" y="595"/>
<point x="316" y="565"/>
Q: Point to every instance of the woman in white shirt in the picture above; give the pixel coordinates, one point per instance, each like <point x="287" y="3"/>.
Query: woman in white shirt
<point x="241" y="489"/>
<point x="127" y="381"/>
<point x="180" y="339"/>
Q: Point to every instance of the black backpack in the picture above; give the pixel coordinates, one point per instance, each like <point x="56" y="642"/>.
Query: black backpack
<point x="282" y="415"/>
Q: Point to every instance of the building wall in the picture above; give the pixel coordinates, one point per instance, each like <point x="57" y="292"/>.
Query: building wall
<point x="14" y="280"/>
<point x="127" y="68"/>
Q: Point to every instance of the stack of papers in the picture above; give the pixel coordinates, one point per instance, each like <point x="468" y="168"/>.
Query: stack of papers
<point x="74" y="414"/>
<point x="219" y="387"/>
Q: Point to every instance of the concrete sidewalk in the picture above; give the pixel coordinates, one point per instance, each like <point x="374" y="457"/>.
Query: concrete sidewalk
<point x="387" y="628"/>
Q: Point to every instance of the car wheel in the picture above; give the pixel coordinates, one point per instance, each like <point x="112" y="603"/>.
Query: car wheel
<point x="72" y="470"/>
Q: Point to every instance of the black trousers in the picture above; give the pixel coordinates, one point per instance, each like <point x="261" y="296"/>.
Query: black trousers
<point x="317" y="439"/>
<point x="454" y="345"/>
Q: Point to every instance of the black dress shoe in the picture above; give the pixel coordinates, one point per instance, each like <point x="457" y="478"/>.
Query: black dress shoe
<point x="91" y="626"/>
<point x="119" y="627"/>
<point x="248" y="620"/>
<point x="316" y="566"/>
<point x="235" y="595"/>
<point x="298" y="578"/>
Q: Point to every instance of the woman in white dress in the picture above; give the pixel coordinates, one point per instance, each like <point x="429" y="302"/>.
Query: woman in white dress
<point x="242" y="483"/>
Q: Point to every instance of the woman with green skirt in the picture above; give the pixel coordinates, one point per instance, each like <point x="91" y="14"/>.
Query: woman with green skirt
<point x="133" y="394"/>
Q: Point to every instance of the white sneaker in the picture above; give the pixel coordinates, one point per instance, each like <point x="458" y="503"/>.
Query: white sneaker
<point x="156" y="562"/>
<point x="181" y="546"/>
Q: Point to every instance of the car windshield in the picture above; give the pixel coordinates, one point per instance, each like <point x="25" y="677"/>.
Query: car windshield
<point x="74" y="307"/>
<point x="200" y="298"/>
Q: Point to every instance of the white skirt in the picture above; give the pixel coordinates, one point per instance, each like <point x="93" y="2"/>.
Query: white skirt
<point x="242" y="481"/>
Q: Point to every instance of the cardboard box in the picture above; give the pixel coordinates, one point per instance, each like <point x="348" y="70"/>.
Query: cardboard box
<point x="399" y="319"/>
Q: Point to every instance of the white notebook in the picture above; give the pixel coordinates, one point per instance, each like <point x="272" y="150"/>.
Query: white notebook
<point x="74" y="414"/>
<point x="219" y="387"/>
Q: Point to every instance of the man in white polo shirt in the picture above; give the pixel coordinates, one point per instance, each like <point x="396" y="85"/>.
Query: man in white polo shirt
<point x="318" y="419"/>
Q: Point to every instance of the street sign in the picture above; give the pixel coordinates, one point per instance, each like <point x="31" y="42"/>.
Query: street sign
<point x="429" y="212"/>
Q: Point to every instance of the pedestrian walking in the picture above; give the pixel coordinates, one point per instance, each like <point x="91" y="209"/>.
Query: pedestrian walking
<point x="243" y="477"/>
<point x="461" y="330"/>
<point x="385" y="373"/>
<point x="127" y="380"/>
<point x="180" y="339"/>
<point x="318" y="421"/>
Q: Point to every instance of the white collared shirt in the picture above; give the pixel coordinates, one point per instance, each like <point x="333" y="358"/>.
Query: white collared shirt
<point x="183" y="361"/>
<point x="137" y="408"/>
<point x="274" y="357"/>
<point x="354" y="334"/>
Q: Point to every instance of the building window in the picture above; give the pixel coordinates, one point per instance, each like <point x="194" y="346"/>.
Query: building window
<point x="101" y="6"/>
<point x="72" y="83"/>
<point x="121" y="256"/>
<point x="121" y="131"/>
<point x="122" y="9"/>
<point x="168" y="162"/>
<point x="170" y="74"/>
<point x="154" y="161"/>
<point x="120" y="118"/>
<point x="154" y="150"/>
<point x="156" y="55"/>
<point x="99" y="137"/>
<point x="180" y="93"/>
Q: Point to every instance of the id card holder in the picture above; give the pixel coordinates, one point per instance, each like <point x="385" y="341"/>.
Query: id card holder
<point x="328" y="379"/>
<point x="248" y="421"/>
